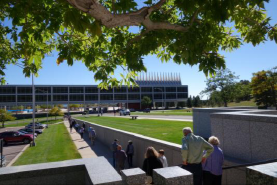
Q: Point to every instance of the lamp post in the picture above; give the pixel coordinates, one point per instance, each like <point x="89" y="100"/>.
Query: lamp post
<point x="34" y="99"/>
<point x="162" y="95"/>
<point x="34" y="110"/>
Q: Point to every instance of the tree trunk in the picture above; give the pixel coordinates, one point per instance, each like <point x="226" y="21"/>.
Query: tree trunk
<point x="3" y="124"/>
<point x="225" y="104"/>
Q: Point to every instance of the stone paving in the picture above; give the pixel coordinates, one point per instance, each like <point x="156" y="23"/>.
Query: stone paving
<point x="86" y="149"/>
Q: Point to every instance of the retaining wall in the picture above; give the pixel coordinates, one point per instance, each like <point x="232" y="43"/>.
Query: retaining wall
<point x="106" y="135"/>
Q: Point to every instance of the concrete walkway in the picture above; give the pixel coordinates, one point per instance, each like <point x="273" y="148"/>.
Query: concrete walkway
<point x="86" y="149"/>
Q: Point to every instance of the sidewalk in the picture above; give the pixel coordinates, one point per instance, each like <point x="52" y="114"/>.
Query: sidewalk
<point x="86" y="149"/>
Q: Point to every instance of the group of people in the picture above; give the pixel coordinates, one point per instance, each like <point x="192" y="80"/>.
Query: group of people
<point x="81" y="129"/>
<point x="204" y="159"/>
<point x="153" y="159"/>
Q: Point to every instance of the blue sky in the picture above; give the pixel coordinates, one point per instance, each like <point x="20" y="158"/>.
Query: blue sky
<point x="244" y="61"/>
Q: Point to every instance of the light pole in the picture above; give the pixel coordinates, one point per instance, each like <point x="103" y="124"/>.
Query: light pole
<point x="34" y="110"/>
<point x="34" y="99"/>
<point x="162" y="95"/>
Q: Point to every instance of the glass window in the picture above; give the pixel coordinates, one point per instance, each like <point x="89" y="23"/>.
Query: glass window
<point x="120" y="97"/>
<point x="109" y="90"/>
<point x="7" y="90"/>
<point x="76" y="97"/>
<point x="76" y="89"/>
<point x="120" y="89"/>
<point x="133" y="89"/>
<point x="60" y="98"/>
<point x="182" y="89"/>
<point x="171" y="96"/>
<point x="146" y="89"/>
<point x="24" y="98"/>
<point x="24" y="90"/>
<point x="170" y="89"/>
<point x="43" y="98"/>
<point x="133" y="97"/>
<point x="106" y="97"/>
<point x="91" y="97"/>
<point x="182" y="95"/>
<point x="91" y="90"/>
<point x="7" y="98"/>
<point x="60" y="89"/>
<point x="43" y="90"/>
<point x="158" y="89"/>
<point x="158" y="96"/>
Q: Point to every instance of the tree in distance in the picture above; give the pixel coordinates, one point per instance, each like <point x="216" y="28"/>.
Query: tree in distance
<point x="101" y="34"/>
<point x="146" y="101"/>
<point x="264" y="87"/>
<point x="189" y="102"/>
<point x="223" y="83"/>
<point x="5" y="116"/>
<point x="56" y="111"/>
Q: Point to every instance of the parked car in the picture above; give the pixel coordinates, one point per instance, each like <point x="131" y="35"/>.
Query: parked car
<point x="15" y="137"/>
<point x="30" y="130"/>
<point x="124" y="112"/>
<point x="132" y="110"/>
<point x="24" y="132"/>
<point x="37" y="126"/>
<point x="147" y="110"/>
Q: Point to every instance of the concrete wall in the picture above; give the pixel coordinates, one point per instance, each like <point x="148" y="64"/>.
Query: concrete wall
<point x="202" y="120"/>
<point x="262" y="174"/>
<point x="248" y="136"/>
<point x="106" y="135"/>
<point x="71" y="172"/>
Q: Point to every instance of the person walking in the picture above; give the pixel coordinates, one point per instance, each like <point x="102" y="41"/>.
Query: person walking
<point x="151" y="162"/>
<point x="130" y="152"/>
<point x="81" y="131"/>
<point x="163" y="158"/>
<point x="114" y="149"/>
<point x="84" y="126"/>
<point x="89" y="132"/>
<point x="93" y="135"/>
<point x="192" y="151"/>
<point x="212" y="167"/>
<point x="120" y="157"/>
<point x="70" y="126"/>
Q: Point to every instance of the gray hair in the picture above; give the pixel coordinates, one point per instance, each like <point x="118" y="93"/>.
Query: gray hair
<point x="214" y="140"/>
<point x="187" y="130"/>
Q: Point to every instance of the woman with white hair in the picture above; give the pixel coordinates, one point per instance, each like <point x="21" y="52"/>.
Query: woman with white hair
<point x="212" y="167"/>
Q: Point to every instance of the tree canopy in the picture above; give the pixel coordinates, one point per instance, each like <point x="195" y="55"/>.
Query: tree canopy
<point x="5" y="116"/>
<point x="223" y="83"/>
<point x="106" y="34"/>
<point x="264" y="87"/>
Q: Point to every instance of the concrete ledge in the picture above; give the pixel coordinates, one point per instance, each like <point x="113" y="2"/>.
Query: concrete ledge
<point x="262" y="174"/>
<point x="134" y="176"/>
<point x="78" y="171"/>
<point x="172" y="176"/>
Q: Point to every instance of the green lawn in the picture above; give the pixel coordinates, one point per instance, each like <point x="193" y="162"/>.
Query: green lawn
<point x="165" y="113"/>
<point x="54" y="144"/>
<point x="165" y="130"/>
<point x="250" y="103"/>
<point x="20" y="124"/>
<point x="29" y="120"/>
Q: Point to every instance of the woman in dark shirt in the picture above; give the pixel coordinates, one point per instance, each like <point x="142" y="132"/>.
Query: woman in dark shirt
<point x="151" y="161"/>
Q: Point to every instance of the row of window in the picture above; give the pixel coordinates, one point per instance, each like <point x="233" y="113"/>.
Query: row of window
<point x="89" y="97"/>
<point x="28" y="90"/>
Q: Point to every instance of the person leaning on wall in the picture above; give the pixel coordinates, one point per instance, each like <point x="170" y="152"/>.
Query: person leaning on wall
<point x="212" y="167"/>
<point x="192" y="151"/>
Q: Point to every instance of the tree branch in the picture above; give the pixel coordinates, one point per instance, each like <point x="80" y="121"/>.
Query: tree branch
<point x="137" y="18"/>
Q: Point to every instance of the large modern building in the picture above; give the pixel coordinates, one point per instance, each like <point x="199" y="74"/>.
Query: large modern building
<point x="163" y="90"/>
